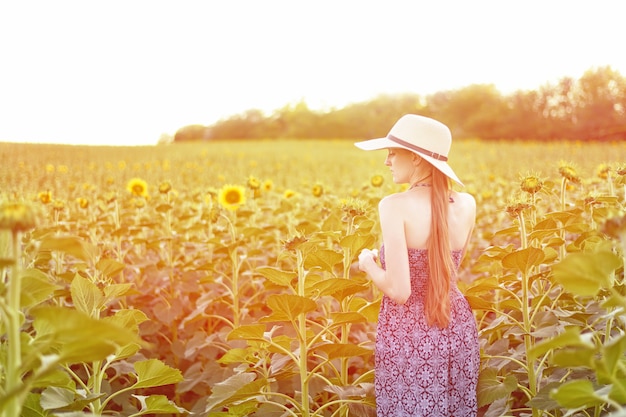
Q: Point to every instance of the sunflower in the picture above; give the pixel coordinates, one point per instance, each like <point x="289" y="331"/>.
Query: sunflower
<point x="45" y="197"/>
<point x="603" y="171"/>
<point x="17" y="217"/>
<point x="165" y="187"/>
<point x="253" y="183"/>
<point x="531" y="184"/>
<point x="568" y="172"/>
<point x="82" y="202"/>
<point x="377" y="180"/>
<point x="231" y="197"/>
<point x="268" y="185"/>
<point x="317" y="190"/>
<point x="289" y="193"/>
<point x="137" y="187"/>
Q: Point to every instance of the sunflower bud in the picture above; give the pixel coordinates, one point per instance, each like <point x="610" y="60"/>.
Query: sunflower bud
<point x="17" y="217"/>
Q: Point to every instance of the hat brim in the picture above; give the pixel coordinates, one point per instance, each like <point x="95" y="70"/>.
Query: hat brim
<point x="385" y="143"/>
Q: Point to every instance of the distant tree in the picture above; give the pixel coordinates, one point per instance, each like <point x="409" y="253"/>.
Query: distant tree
<point x="478" y="110"/>
<point x="600" y="107"/>
<point x="191" y="133"/>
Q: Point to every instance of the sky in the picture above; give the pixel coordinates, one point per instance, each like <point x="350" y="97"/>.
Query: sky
<point x="126" y="72"/>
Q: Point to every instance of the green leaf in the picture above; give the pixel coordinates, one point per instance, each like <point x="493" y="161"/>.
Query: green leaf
<point x="224" y="391"/>
<point x="235" y="355"/>
<point x="86" y="295"/>
<point x="32" y="406"/>
<point x="339" y="288"/>
<point x="114" y="291"/>
<point x="157" y="404"/>
<point x="585" y="273"/>
<point x="127" y="318"/>
<point x="613" y="352"/>
<point x="154" y="373"/>
<point x="277" y="276"/>
<point x="250" y="331"/>
<point x="54" y="378"/>
<point x="287" y="307"/>
<point x="110" y="267"/>
<point x="523" y="259"/>
<point x="343" y="350"/>
<point x="577" y="394"/>
<point x="346" y="317"/>
<point x="325" y="259"/>
<point x="75" y="336"/>
<point x="479" y="303"/>
<point x="35" y="287"/>
<point x="570" y="337"/>
<point x="71" y="245"/>
<point x="356" y="243"/>
<point x="491" y="387"/>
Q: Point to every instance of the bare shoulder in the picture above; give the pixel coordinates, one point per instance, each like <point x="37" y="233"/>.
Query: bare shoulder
<point x="464" y="203"/>
<point x="464" y="199"/>
<point x="391" y="200"/>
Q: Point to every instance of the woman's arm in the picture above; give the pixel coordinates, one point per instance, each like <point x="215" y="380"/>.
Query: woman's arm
<point x="395" y="281"/>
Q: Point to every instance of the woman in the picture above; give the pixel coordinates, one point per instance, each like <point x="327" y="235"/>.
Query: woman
<point x="427" y="355"/>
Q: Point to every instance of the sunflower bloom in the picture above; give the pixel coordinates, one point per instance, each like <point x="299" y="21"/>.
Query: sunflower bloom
<point x="603" y="171"/>
<point x="569" y="173"/>
<point x="231" y="197"/>
<point x="83" y="203"/>
<point x="377" y="180"/>
<point x="45" y="197"/>
<point x="137" y="187"/>
<point x="165" y="187"/>
<point x="289" y="193"/>
<point x="17" y="217"/>
<point x="254" y="183"/>
<point x="317" y="190"/>
<point x="267" y="185"/>
<point x="531" y="184"/>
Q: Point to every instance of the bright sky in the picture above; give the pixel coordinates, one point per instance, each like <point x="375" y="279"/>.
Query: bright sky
<point x="127" y="71"/>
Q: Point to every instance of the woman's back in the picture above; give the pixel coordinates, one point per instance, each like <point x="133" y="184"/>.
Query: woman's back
<point x="414" y="208"/>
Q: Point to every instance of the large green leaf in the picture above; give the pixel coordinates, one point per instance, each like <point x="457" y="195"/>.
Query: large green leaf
<point x="76" y="337"/>
<point x="586" y="273"/>
<point x="109" y="267"/>
<point x="339" y="288"/>
<point x="71" y="245"/>
<point x="277" y="276"/>
<point x="570" y="337"/>
<point x="324" y="259"/>
<point x="154" y="373"/>
<point x="523" y="259"/>
<point x="287" y="307"/>
<point x="577" y="394"/>
<point x="86" y="295"/>
<point x="223" y="391"/>
<point x="356" y="243"/>
<point x="157" y="404"/>
<point x="250" y="331"/>
<point x="36" y="287"/>
<point x="491" y="387"/>
<point x="343" y="350"/>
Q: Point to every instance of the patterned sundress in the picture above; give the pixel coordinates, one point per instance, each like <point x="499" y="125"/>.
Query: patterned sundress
<point x="420" y="370"/>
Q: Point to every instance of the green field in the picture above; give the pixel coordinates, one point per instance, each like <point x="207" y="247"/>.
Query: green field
<point x="200" y="308"/>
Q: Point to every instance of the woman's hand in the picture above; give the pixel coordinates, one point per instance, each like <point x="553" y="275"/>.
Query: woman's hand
<point x="367" y="258"/>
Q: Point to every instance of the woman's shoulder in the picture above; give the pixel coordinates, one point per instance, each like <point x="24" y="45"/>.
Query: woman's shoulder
<point x="464" y="198"/>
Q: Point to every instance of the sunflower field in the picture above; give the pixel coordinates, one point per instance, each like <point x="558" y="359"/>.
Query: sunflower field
<point x="218" y="278"/>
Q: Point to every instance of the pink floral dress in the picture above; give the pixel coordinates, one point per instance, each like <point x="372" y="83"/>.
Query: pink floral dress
<point x="420" y="370"/>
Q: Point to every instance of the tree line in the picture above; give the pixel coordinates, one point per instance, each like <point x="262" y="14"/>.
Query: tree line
<point x="591" y="108"/>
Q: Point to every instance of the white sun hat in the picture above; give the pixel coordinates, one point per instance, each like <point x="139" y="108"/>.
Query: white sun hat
<point x="422" y="135"/>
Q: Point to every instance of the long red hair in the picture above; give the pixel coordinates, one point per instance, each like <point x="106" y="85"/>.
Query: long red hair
<point x="441" y="266"/>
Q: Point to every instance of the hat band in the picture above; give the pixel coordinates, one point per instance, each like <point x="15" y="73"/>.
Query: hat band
<point x="417" y="148"/>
